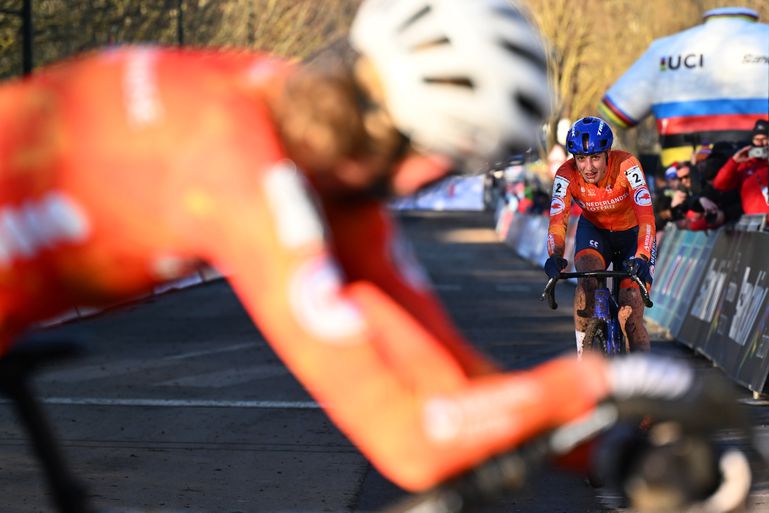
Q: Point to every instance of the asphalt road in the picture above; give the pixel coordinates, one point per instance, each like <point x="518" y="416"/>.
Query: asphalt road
<point x="181" y="406"/>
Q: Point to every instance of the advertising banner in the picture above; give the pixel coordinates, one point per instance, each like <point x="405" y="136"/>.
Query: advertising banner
<point x="678" y="274"/>
<point x="727" y="320"/>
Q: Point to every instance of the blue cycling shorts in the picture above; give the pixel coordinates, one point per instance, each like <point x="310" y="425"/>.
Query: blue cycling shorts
<point x="614" y="247"/>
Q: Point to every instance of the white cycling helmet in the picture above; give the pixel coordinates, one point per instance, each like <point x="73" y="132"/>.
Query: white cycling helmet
<point x="462" y="78"/>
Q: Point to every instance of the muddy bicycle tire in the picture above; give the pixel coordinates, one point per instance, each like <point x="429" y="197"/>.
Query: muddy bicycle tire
<point x="596" y="336"/>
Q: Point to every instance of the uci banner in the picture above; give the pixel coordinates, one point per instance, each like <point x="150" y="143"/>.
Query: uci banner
<point x="728" y="320"/>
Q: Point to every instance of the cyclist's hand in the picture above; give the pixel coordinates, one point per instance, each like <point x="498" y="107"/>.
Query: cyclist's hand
<point x="686" y="411"/>
<point x="554" y="265"/>
<point x="638" y="266"/>
<point x="643" y="385"/>
<point x="667" y="470"/>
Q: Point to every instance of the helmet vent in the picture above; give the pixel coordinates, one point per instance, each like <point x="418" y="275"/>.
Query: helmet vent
<point x="586" y="139"/>
<point x="529" y="105"/>
<point x="509" y="13"/>
<point x="414" y="18"/>
<point x="432" y="44"/>
<point x="535" y="58"/>
<point x="453" y="81"/>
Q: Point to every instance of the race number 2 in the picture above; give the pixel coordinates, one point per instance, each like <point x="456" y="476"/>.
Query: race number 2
<point x="635" y="177"/>
<point x="560" y="184"/>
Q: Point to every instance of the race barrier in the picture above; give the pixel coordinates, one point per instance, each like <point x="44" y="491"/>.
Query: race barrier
<point x="527" y="234"/>
<point x="201" y="275"/>
<point x="710" y="289"/>
<point x="453" y="193"/>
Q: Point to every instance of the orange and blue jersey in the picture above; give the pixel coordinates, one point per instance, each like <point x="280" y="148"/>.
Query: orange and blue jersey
<point x="706" y="84"/>
<point x="619" y="202"/>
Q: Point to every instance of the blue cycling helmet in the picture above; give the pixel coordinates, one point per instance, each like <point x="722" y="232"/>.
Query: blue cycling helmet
<point x="588" y="136"/>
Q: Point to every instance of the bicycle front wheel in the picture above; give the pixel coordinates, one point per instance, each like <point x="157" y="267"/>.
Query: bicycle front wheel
<point x="597" y="336"/>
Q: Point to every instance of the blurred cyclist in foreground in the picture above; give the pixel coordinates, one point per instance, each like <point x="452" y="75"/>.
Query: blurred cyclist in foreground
<point x="123" y="168"/>
<point x="616" y="225"/>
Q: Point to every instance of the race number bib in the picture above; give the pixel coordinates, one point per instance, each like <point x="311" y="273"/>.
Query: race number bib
<point x="560" y="184"/>
<point x="635" y="177"/>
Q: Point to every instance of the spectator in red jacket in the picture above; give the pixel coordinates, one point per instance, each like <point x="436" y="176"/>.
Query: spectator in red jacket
<point x="748" y="170"/>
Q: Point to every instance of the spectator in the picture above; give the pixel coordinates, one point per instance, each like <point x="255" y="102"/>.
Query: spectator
<point x="688" y="206"/>
<point x="748" y="170"/>
<point x="707" y="83"/>
<point x="665" y="188"/>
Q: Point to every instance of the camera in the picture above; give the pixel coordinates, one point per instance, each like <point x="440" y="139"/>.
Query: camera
<point x="759" y="152"/>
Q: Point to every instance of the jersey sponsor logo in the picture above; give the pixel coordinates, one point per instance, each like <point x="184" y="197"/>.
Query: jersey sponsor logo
<point x="560" y="185"/>
<point x="642" y="197"/>
<point x="750" y="58"/>
<point x="635" y="177"/>
<point x="298" y="220"/>
<point x="141" y="89"/>
<point x="597" y="206"/>
<point x="53" y="220"/>
<point x="689" y="61"/>
<point x="556" y="206"/>
<point x="316" y="298"/>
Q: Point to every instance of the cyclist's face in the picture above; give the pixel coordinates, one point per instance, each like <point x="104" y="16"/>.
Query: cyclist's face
<point x="592" y="168"/>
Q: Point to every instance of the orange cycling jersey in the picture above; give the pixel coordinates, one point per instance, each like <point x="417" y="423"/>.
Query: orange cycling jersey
<point x="121" y="170"/>
<point x="620" y="201"/>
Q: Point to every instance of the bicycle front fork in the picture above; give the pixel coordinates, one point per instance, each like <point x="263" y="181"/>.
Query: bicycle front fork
<point x="606" y="309"/>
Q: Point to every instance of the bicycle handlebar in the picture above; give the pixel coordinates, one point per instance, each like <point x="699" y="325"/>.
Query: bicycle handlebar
<point x="549" y="292"/>
<point x="508" y="471"/>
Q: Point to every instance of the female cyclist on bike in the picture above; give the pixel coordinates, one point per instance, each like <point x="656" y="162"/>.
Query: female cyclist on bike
<point x="616" y="225"/>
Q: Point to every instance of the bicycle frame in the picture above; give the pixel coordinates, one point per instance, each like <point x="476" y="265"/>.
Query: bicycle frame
<point x="606" y="304"/>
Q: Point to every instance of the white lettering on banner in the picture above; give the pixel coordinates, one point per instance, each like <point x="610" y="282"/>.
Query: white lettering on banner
<point x="140" y="86"/>
<point x="642" y="197"/>
<point x="672" y="281"/>
<point x="748" y="305"/>
<point x="40" y="224"/>
<point x="635" y="177"/>
<point x="560" y="185"/>
<point x="556" y="206"/>
<point x="682" y="267"/>
<point x="705" y="303"/>
<point x="297" y="218"/>
<point x="316" y="298"/>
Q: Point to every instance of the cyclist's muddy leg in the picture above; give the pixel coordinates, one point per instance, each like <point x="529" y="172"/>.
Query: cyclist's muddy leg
<point x="622" y="316"/>
<point x="633" y="326"/>
<point x="584" y="297"/>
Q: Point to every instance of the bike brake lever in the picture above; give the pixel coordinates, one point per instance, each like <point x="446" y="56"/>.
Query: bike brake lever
<point x="642" y="289"/>
<point x="549" y="293"/>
